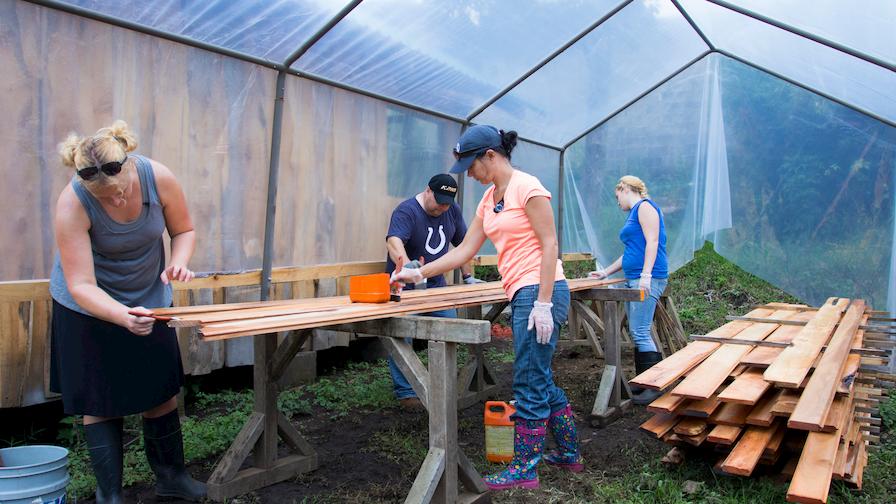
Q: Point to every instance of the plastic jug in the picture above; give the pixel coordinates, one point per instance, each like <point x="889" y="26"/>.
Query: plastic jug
<point x="498" y="431"/>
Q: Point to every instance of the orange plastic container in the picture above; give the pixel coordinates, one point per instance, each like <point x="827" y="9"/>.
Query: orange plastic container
<point x="498" y="431"/>
<point x="369" y="288"/>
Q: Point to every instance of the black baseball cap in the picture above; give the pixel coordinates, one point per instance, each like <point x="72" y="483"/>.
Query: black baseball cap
<point x="475" y="140"/>
<point x="444" y="188"/>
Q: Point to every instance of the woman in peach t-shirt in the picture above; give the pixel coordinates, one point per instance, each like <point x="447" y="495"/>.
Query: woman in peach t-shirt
<point x="515" y="214"/>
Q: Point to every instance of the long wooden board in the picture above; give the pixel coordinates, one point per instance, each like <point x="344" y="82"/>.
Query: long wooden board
<point x="746" y="388"/>
<point x="812" y="479"/>
<point x="794" y="363"/>
<point x="815" y="401"/>
<point x="747" y="452"/>
<point x="763" y="356"/>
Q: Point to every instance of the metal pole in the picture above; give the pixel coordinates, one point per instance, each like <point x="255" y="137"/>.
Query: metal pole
<point x="691" y="22"/>
<point x="560" y="205"/>
<point x="273" y="174"/>
<point x="320" y="33"/>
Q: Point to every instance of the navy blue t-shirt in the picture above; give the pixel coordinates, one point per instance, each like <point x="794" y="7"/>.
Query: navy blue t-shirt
<point x="425" y="235"/>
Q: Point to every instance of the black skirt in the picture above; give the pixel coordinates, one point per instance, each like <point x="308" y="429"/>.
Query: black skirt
<point x="102" y="369"/>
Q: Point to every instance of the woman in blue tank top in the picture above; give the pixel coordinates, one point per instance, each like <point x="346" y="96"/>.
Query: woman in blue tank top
<point x="107" y="359"/>
<point x="645" y="266"/>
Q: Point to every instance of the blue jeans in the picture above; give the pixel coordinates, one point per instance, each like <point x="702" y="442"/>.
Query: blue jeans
<point x="400" y="384"/>
<point x="533" y="381"/>
<point x="640" y="314"/>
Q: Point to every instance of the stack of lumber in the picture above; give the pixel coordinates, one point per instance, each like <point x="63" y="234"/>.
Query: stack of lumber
<point x="215" y="322"/>
<point x="788" y="386"/>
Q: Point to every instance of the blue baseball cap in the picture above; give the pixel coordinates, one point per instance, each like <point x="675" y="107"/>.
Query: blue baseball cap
<point x="475" y="140"/>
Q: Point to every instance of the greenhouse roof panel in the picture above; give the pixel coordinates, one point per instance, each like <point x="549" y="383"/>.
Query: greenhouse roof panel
<point x="270" y="29"/>
<point x="636" y="49"/>
<point x="830" y="72"/>
<point x="446" y="57"/>
<point x="867" y="29"/>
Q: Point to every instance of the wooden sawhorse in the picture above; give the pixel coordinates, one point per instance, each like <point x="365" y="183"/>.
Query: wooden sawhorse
<point x="445" y="465"/>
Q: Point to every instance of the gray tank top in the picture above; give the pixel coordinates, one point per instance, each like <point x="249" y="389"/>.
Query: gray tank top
<point x="127" y="258"/>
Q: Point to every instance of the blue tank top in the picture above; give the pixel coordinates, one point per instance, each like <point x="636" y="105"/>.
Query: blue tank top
<point x="632" y="237"/>
<point x="127" y="258"/>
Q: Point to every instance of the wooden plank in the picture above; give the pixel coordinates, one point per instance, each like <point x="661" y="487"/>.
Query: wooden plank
<point x="815" y="401"/>
<point x="690" y="427"/>
<point x="701" y="408"/>
<point x="233" y="458"/>
<point x="853" y="362"/>
<point x="747" y="388"/>
<point x="774" y="445"/>
<point x="761" y="414"/>
<point x="724" y="434"/>
<point x="695" y="440"/>
<point x="253" y="478"/>
<point x="787" y="400"/>
<point x="442" y="406"/>
<point x="681" y="362"/>
<point x="840" y="410"/>
<point x="14" y="346"/>
<point x="764" y="356"/>
<point x="747" y="452"/>
<point x="411" y="367"/>
<point x="659" y="424"/>
<point x="475" y="332"/>
<point x="812" y="478"/>
<point x="667" y="403"/>
<point x="733" y="414"/>
<point x="24" y="290"/>
<point x="712" y="372"/>
<point x="792" y="366"/>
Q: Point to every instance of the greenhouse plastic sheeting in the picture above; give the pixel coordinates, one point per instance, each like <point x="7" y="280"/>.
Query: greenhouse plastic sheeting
<point x="635" y="49"/>
<point x="812" y="190"/>
<point x="270" y="29"/>
<point x="445" y="56"/>
<point x="663" y="140"/>
<point x="866" y="27"/>
<point x="205" y="116"/>
<point x="541" y="162"/>
<point x="346" y="162"/>
<point x="837" y="74"/>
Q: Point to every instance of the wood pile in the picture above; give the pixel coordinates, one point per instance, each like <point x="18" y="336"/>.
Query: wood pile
<point x="787" y="386"/>
<point x="222" y="321"/>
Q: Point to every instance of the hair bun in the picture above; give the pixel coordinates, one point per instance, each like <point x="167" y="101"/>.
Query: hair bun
<point x="508" y="140"/>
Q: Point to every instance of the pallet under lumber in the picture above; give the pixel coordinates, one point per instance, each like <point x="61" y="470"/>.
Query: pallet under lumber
<point x="812" y="404"/>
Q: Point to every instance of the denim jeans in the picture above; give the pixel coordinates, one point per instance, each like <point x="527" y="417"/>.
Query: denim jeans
<point x="533" y="381"/>
<point x="640" y="314"/>
<point x="400" y="384"/>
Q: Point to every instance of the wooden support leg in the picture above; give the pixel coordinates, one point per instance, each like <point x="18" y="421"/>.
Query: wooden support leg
<point x="476" y="381"/>
<point x="613" y="395"/>
<point x="260" y="433"/>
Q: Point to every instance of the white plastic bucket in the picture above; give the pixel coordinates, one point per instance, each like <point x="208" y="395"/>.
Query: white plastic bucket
<point x="33" y="475"/>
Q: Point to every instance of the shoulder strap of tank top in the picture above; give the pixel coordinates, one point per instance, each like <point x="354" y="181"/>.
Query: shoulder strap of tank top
<point x="147" y="180"/>
<point x="87" y="200"/>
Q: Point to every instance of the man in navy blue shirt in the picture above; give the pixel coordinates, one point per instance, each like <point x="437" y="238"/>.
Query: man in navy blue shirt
<point x="424" y="226"/>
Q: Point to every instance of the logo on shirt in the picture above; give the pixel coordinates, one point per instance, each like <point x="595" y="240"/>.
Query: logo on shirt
<point x="438" y="249"/>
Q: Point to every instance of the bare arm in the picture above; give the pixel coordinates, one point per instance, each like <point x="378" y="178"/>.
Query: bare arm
<point x="538" y="209"/>
<point x="395" y="247"/>
<point x="613" y="268"/>
<point x="72" y="225"/>
<point x="178" y="222"/>
<point x="460" y="255"/>
<point x="650" y="225"/>
<point x="466" y="268"/>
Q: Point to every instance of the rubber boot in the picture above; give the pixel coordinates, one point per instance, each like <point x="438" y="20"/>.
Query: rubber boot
<point x="528" y="447"/>
<point x="107" y="459"/>
<point x="643" y="362"/>
<point x="562" y="425"/>
<point x="165" y="452"/>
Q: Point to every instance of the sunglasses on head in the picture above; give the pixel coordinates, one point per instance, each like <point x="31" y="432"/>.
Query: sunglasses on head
<point x="111" y="169"/>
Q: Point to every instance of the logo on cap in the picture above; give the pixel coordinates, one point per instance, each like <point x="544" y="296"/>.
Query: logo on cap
<point x="448" y="188"/>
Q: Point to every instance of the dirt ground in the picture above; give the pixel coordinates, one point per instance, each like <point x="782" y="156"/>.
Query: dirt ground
<point x="355" y="467"/>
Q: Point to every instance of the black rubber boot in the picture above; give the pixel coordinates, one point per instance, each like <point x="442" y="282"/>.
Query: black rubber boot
<point x="107" y="458"/>
<point x="165" y="452"/>
<point x="643" y="362"/>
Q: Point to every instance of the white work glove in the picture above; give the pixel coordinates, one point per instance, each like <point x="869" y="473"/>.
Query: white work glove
<point x="644" y="282"/>
<point x="138" y="321"/>
<point x="472" y="280"/>
<point x="599" y="274"/>
<point x="407" y="276"/>
<point x="543" y="321"/>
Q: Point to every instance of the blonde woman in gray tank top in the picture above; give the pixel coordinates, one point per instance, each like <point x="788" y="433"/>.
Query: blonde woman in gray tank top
<point x="108" y="360"/>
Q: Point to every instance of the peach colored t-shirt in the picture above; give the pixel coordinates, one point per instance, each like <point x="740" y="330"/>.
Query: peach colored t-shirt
<point x="519" y="251"/>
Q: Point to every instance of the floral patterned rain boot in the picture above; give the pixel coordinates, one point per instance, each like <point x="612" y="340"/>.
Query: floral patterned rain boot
<point x="562" y="424"/>
<point x="528" y="446"/>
